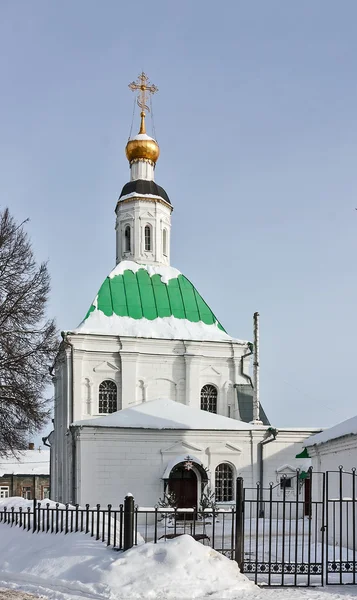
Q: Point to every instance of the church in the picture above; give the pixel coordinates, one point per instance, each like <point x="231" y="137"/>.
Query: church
<point x="152" y="395"/>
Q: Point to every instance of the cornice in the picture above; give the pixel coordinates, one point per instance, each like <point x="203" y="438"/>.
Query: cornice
<point x="144" y="199"/>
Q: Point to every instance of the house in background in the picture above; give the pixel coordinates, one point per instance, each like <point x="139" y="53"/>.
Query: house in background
<point x="27" y="475"/>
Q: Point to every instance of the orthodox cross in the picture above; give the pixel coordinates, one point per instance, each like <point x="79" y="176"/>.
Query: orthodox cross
<point x="144" y="88"/>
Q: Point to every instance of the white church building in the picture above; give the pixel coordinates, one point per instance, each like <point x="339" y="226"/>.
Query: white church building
<point x="151" y="393"/>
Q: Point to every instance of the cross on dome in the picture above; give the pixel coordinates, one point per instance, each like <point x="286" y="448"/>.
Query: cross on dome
<point x="143" y="209"/>
<point x="142" y="146"/>
<point x="143" y="86"/>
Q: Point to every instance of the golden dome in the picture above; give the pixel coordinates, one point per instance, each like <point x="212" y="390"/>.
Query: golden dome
<point x="142" y="146"/>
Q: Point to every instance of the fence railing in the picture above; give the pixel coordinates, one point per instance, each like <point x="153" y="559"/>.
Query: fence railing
<point x="305" y="535"/>
<point x="129" y="525"/>
<point x="104" y="524"/>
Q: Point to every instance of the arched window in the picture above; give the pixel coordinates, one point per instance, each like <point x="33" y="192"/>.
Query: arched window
<point x="107" y="397"/>
<point x="127" y="239"/>
<point x="147" y="234"/>
<point x="164" y="242"/>
<point x="224" y="483"/>
<point x="209" y="398"/>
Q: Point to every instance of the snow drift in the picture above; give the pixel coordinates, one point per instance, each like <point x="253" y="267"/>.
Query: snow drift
<point x="76" y="566"/>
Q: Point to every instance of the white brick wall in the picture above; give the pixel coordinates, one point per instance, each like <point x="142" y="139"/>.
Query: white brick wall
<point x="144" y="370"/>
<point x="121" y="461"/>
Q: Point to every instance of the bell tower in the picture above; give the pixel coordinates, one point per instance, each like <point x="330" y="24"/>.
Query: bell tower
<point x="143" y="211"/>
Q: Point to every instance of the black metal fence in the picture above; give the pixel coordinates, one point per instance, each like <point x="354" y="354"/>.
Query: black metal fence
<point x="284" y="532"/>
<point x="104" y="524"/>
<point x="299" y="534"/>
<point x="341" y="534"/>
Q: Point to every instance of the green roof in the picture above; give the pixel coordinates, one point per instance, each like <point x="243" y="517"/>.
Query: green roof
<point x="141" y="295"/>
<point x="303" y="454"/>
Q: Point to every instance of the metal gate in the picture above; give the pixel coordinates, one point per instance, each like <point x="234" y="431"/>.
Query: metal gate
<point x="341" y="557"/>
<point x="301" y="531"/>
<point x="283" y="531"/>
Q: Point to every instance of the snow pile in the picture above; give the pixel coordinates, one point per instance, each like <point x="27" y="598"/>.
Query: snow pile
<point x="76" y="566"/>
<point x="28" y="462"/>
<point x="348" y="427"/>
<point x="179" y="568"/>
<point x="167" y="414"/>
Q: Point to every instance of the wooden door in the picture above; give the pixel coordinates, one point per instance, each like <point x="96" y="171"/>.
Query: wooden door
<point x="183" y="484"/>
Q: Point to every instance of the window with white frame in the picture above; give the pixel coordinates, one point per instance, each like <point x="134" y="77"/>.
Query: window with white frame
<point x="4" y="491"/>
<point x="107" y="397"/>
<point x="224" y="483"/>
<point x="209" y="398"/>
<point x="164" y="242"/>
<point x="147" y="238"/>
<point x="127" y="239"/>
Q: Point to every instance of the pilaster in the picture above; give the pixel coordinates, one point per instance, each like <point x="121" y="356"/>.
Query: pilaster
<point x="129" y="362"/>
<point x="192" y="367"/>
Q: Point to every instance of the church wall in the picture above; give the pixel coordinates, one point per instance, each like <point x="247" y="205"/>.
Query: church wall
<point x="143" y="369"/>
<point x="122" y="461"/>
<point x="147" y="369"/>
<point x="135" y="460"/>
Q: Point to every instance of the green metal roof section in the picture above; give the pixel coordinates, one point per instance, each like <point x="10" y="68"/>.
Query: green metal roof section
<point x="139" y="295"/>
<point x="303" y="454"/>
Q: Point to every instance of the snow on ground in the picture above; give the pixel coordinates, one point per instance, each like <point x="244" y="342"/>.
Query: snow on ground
<point x="76" y="567"/>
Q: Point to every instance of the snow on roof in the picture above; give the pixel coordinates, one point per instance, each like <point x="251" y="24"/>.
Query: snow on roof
<point x="151" y="302"/>
<point x="166" y="273"/>
<point x="348" y="427"/>
<point x="167" y="414"/>
<point x="143" y="136"/>
<point x="27" y="462"/>
<point x="137" y="195"/>
<point x="168" y="328"/>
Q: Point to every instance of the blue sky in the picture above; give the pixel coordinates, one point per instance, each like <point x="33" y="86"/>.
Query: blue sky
<point x="256" y="120"/>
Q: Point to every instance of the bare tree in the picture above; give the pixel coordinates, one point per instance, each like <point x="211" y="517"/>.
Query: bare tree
<point x="27" y="340"/>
